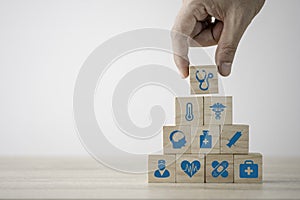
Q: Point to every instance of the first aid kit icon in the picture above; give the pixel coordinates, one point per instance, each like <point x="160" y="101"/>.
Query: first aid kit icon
<point x="249" y="169"/>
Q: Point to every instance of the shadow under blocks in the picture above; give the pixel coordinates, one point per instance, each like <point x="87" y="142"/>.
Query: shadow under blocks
<point x="204" y="146"/>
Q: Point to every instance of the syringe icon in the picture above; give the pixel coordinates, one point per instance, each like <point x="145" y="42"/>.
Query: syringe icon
<point x="189" y="116"/>
<point x="234" y="139"/>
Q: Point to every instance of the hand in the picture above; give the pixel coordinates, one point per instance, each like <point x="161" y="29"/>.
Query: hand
<point x="194" y="22"/>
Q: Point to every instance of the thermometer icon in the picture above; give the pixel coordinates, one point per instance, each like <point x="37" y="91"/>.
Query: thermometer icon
<point x="189" y="112"/>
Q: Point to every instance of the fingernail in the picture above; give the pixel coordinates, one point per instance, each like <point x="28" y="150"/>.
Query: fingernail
<point x="182" y="76"/>
<point x="225" y="68"/>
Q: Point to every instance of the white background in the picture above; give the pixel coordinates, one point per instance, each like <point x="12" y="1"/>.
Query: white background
<point x="44" y="43"/>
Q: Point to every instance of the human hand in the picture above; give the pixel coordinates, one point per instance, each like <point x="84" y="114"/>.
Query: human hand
<point x="194" y="22"/>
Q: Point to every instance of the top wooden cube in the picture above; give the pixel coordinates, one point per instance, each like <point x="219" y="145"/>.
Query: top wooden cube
<point x="204" y="79"/>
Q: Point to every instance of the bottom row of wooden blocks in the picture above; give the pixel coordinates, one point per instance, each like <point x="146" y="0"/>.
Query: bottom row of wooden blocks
<point x="200" y="168"/>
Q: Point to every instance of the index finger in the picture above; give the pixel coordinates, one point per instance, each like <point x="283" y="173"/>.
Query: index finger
<point x="183" y="28"/>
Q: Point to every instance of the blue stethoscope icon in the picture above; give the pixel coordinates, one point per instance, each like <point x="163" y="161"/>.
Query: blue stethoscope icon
<point x="204" y="80"/>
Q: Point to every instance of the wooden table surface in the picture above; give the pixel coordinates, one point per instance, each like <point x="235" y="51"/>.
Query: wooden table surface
<point x="79" y="178"/>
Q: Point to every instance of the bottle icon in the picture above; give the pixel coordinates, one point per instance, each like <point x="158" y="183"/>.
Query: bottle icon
<point x="205" y="140"/>
<point x="189" y="116"/>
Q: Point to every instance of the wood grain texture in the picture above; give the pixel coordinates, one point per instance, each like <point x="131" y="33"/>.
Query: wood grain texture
<point x="244" y="159"/>
<point x="210" y="116"/>
<point x="85" y="178"/>
<point x="153" y="162"/>
<point x="181" y="111"/>
<point x="210" y="158"/>
<point x="182" y="177"/>
<point x="241" y="146"/>
<point x="168" y="145"/>
<point x="212" y="82"/>
<point x="214" y="131"/>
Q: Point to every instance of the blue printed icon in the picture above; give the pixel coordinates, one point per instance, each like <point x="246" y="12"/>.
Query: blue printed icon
<point x="218" y="108"/>
<point x="190" y="168"/>
<point x="205" y="140"/>
<point x="204" y="83"/>
<point x="189" y="116"/>
<point x="249" y="169"/>
<point x="161" y="172"/>
<point x="220" y="169"/>
<point x="234" y="139"/>
<point x="177" y="138"/>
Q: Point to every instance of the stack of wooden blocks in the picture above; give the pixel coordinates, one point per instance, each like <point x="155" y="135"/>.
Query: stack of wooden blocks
<point x="204" y="146"/>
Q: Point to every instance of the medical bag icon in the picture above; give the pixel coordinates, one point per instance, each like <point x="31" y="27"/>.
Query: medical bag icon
<point x="205" y="140"/>
<point x="249" y="169"/>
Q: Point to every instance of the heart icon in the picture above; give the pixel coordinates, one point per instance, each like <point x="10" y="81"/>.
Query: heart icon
<point x="190" y="168"/>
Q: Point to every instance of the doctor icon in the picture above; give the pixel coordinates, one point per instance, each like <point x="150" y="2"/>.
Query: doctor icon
<point x="161" y="172"/>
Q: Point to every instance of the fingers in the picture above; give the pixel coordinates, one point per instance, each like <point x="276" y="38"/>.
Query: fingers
<point x="182" y="64"/>
<point x="185" y="25"/>
<point x="209" y="36"/>
<point x="180" y="51"/>
<point x="232" y="32"/>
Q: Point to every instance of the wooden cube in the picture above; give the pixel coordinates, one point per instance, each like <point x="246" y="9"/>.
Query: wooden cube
<point x="190" y="168"/>
<point x="219" y="168"/>
<point x="235" y="139"/>
<point x="217" y="110"/>
<point x="248" y="168"/>
<point x="189" y="111"/>
<point x="204" y="79"/>
<point x="176" y="139"/>
<point x="205" y="139"/>
<point x="161" y="169"/>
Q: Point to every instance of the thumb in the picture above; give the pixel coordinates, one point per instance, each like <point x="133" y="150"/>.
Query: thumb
<point x="228" y="43"/>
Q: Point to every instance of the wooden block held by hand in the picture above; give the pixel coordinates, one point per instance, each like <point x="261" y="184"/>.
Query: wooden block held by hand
<point x="248" y="168"/>
<point x="204" y="79"/>
<point x="235" y="139"/>
<point x="190" y="168"/>
<point x="205" y="139"/>
<point x="217" y="110"/>
<point x="161" y="169"/>
<point x="176" y="139"/>
<point x="219" y="168"/>
<point x="189" y="111"/>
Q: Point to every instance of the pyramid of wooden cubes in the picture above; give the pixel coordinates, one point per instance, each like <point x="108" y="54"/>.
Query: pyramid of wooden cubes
<point x="204" y="146"/>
